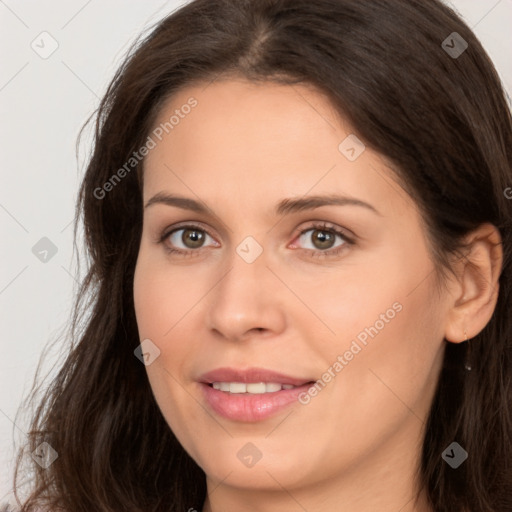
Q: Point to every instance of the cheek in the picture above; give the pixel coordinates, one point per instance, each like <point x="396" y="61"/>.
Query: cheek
<point x="167" y="301"/>
<point x="385" y="319"/>
<point x="390" y="358"/>
<point x="358" y="299"/>
<point x="161" y="304"/>
<point x="162" y="295"/>
<point x="161" y="308"/>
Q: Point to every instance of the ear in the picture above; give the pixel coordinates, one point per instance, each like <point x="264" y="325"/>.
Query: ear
<point x="476" y="292"/>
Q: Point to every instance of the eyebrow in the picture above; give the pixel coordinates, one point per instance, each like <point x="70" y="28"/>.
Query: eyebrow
<point x="284" y="207"/>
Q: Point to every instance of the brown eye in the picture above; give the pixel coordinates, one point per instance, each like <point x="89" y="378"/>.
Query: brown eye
<point x="194" y="236"/>
<point x="322" y="239"/>
<point x="186" y="238"/>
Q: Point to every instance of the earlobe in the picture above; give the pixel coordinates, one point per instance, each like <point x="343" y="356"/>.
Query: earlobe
<point x="479" y="269"/>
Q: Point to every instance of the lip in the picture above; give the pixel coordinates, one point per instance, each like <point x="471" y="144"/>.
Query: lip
<point x="250" y="375"/>
<point x="245" y="407"/>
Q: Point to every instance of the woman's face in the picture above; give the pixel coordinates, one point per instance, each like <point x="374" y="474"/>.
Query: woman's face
<point x="357" y="311"/>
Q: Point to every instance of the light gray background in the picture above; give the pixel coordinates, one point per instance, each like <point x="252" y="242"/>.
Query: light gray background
<point x="43" y="103"/>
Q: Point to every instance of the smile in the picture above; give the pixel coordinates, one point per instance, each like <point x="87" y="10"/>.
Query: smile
<point x="255" y="388"/>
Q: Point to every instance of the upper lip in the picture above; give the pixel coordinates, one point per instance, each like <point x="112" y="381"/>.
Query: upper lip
<point x="250" y="375"/>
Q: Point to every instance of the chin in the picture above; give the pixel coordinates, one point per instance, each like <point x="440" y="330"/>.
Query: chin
<point x="256" y="464"/>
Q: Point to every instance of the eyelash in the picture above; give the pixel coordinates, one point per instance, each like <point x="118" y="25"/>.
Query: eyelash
<point x="321" y="226"/>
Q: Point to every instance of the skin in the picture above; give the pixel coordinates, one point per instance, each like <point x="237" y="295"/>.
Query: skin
<point x="356" y="445"/>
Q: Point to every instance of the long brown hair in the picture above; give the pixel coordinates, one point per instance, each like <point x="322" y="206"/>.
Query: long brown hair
<point x="438" y="115"/>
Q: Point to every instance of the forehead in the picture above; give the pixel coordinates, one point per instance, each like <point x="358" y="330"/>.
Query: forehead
<point x="263" y="114"/>
<point x="241" y="137"/>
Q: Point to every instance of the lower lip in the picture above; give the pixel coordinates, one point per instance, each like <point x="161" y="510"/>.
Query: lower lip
<point x="248" y="407"/>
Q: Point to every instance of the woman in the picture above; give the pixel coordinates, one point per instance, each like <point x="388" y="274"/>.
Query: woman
<point x="300" y="239"/>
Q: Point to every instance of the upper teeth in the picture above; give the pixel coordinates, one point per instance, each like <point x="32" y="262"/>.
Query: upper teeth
<point x="255" y="388"/>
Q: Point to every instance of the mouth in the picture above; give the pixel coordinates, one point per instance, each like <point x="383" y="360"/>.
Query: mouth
<point x="235" y="377"/>
<point x="252" y="388"/>
<point x="250" y="395"/>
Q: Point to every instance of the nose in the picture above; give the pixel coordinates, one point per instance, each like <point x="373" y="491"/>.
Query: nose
<point x="248" y="300"/>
